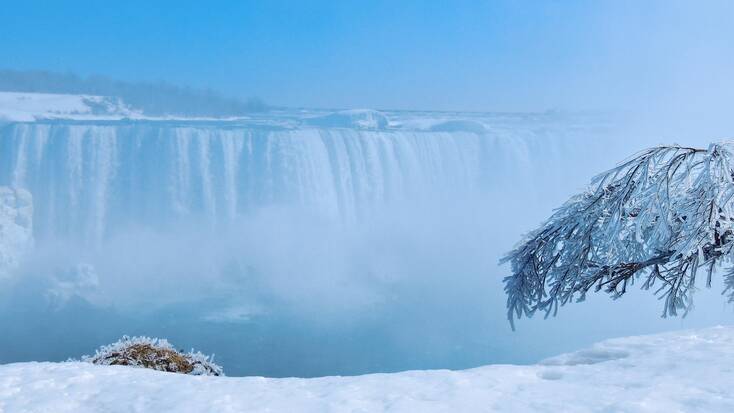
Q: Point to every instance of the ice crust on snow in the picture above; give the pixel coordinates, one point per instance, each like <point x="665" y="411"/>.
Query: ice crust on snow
<point x="685" y="371"/>
<point x="16" y="227"/>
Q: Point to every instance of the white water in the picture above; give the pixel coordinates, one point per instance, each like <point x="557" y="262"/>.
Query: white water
<point x="16" y="228"/>
<point x="88" y="180"/>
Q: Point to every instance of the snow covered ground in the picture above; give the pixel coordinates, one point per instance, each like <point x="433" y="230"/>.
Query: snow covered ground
<point x="685" y="371"/>
<point x="28" y="107"/>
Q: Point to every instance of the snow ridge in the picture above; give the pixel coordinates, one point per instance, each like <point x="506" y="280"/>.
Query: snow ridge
<point x="685" y="371"/>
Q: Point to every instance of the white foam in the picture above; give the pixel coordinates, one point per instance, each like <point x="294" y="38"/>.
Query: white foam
<point x="16" y="227"/>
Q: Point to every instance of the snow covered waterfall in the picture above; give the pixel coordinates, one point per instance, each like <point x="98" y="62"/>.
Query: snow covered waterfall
<point x="88" y="179"/>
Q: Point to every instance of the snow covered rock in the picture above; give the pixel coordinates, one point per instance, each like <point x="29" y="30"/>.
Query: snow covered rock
<point x="685" y="371"/>
<point x="154" y="353"/>
<point x="355" y="119"/>
<point x="16" y="227"/>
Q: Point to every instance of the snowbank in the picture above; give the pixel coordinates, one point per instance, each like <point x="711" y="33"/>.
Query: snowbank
<point x="16" y="227"/>
<point x="688" y="371"/>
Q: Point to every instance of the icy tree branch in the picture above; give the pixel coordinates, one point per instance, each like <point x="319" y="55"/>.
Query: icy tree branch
<point x="659" y="217"/>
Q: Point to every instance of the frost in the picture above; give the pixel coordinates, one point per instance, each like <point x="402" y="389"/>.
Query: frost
<point x="659" y="217"/>
<point x="156" y="354"/>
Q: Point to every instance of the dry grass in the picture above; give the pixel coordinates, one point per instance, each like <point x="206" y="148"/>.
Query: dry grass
<point x="145" y="355"/>
<point x="155" y="354"/>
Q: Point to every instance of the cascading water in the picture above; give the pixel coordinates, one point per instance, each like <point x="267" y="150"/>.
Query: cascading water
<point x="291" y="244"/>
<point x="89" y="179"/>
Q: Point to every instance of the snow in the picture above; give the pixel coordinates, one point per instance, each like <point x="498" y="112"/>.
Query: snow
<point x="43" y="107"/>
<point x="16" y="227"/>
<point x="355" y="118"/>
<point x="29" y="107"/>
<point x="690" y="371"/>
<point x="650" y="219"/>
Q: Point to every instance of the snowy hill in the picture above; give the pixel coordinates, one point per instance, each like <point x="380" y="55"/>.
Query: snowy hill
<point x="686" y="371"/>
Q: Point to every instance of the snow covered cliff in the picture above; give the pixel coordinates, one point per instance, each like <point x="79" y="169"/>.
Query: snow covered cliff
<point x="685" y="371"/>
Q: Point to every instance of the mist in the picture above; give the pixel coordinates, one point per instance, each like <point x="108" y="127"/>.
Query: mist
<point x="294" y="286"/>
<point x="293" y="250"/>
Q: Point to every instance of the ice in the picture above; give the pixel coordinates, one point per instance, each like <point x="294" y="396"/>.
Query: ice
<point x="459" y="126"/>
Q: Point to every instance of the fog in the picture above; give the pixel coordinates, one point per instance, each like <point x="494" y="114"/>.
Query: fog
<point x="378" y="252"/>
<point x="667" y="67"/>
<point x="287" y="286"/>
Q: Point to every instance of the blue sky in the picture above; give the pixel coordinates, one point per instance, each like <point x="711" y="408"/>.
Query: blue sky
<point x="463" y="55"/>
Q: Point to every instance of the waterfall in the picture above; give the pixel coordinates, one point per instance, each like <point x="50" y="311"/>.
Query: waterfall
<point x="16" y="223"/>
<point x="89" y="179"/>
<point x="272" y="234"/>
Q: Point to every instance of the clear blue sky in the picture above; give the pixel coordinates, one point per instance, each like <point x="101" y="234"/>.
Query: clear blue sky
<point x="466" y="55"/>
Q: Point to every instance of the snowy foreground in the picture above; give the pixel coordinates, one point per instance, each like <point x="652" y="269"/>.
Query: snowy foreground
<point x="688" y="371"/>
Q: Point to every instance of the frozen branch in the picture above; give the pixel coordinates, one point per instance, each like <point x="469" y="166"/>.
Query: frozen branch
<point x="660" y="217"/>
